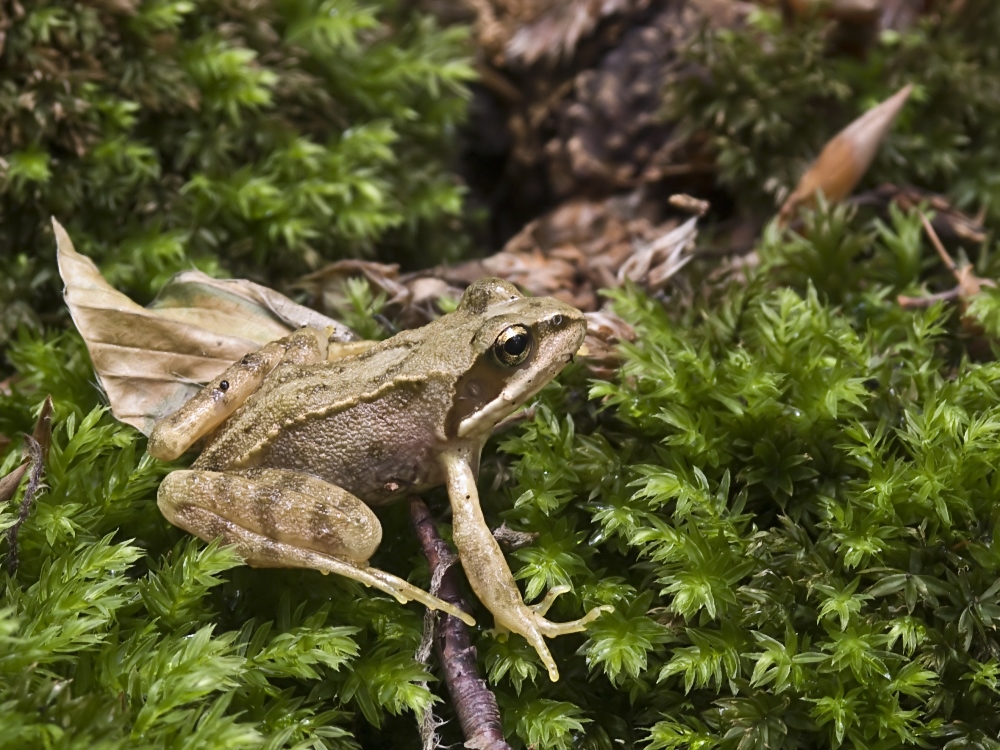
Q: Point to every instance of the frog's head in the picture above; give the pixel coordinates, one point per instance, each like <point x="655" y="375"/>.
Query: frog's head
<point x="518" y="345"/>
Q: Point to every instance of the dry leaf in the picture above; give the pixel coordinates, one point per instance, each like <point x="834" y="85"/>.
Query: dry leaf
<point x="845" y="159"/>
<point x="655" y="262"/>
<point x="239" y="308"/>
<point x="10" y="483"/>
<point x="150" y="361"/>
<point x="604" y="331"/>
<point x="42" y="433"/>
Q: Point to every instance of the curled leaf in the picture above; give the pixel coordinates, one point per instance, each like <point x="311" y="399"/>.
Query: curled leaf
<point x="845" y="159"/>
<point x="654" y="263"/>
<point x="10" y="482"/>
<point x="42" y="434"/>
<point x="604" y="331"/>
<point x="150" y="361"/>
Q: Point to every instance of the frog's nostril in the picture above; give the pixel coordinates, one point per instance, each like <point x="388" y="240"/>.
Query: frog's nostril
<point x="556" y="320"/>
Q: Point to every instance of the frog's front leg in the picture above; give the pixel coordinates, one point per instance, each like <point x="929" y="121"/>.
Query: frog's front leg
<point x="487" y="570"/>
<point x="214" y="403"/>
<point x="285" y="519"/>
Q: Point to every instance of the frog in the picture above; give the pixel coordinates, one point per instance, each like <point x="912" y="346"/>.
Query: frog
<point x="305" y="437"/>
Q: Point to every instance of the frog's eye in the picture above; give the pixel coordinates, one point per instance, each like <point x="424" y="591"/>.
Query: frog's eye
<point x="512" y="346"/>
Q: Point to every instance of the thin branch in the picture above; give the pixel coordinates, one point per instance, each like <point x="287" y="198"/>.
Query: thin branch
<point x="474" y="702"/>
<point x="916" y="303"/>
<point x="936" y="241"/>
<point x="33" y="451"/>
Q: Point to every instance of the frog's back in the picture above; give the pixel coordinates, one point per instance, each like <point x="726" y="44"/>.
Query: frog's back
<point x="363" y="423"/>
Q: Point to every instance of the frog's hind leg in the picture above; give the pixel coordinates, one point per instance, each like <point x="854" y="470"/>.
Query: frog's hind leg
<point x="284" y="519"/>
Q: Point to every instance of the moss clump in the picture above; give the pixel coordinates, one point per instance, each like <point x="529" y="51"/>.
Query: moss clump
<point x="263" y="137"/>
<point x="792" y="504"/>
<point x="789" y="494"/>
<point x="768" y="97"/>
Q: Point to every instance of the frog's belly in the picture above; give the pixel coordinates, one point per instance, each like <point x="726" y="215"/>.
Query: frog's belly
<point x="377" y="462"/>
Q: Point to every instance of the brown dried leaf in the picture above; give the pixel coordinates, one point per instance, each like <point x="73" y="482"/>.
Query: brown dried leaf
<point x="845" y="159"/>
<point x="556" y="33"/>
<point x="10" y="483"/>
<point x="655" y="262"/>
<point x="42" y="433"/>
<point x="239" y="308"/>
<point x="600" y="348"/>
<point x="150" y="361"/>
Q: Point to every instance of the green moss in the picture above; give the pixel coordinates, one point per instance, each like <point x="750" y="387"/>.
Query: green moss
<point x="789" y="493"/>
<point x="768" y="97"/>
<point x="262" y="137"/>
<point x="793" y="508"/>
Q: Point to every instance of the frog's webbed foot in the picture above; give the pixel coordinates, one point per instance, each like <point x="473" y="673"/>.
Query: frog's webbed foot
<point x="537" y="626"/>
<point x="283" y="519"/>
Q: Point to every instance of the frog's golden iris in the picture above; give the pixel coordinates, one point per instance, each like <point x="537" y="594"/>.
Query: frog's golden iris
<point x="513" y="346"/>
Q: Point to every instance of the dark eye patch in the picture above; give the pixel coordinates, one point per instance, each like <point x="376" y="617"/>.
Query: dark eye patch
<point x="513" y="346"/>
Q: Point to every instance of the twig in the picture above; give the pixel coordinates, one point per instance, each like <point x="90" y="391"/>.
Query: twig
<point x="969" y="285"/>
<point x="429" y="722"/>
<point x="474" y="702"/>
<point x="948" y="261"/>
<point x="34" y="453"/>
<point x="916" y="303"/>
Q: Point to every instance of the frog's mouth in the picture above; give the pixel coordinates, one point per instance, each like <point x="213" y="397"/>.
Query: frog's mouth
<point x="488" y="392"/>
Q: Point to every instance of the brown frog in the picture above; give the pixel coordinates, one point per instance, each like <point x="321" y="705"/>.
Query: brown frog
<point x="304" y="435"/>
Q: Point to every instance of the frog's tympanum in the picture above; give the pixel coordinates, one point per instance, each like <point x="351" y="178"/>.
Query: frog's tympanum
<point x="304" y="435"/>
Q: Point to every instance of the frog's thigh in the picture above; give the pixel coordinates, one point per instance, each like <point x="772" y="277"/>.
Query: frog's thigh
<point x="283" y="519"/>
<point x="285" y="507"/>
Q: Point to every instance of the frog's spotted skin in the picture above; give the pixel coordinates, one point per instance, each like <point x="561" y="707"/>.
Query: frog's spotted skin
<point x="307" y="438"/>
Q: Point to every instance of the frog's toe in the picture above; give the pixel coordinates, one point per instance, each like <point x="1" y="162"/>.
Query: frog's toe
<point x="543" y="606"/>
<point x="404" y="591"/>
<point x="553" y="629"/>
